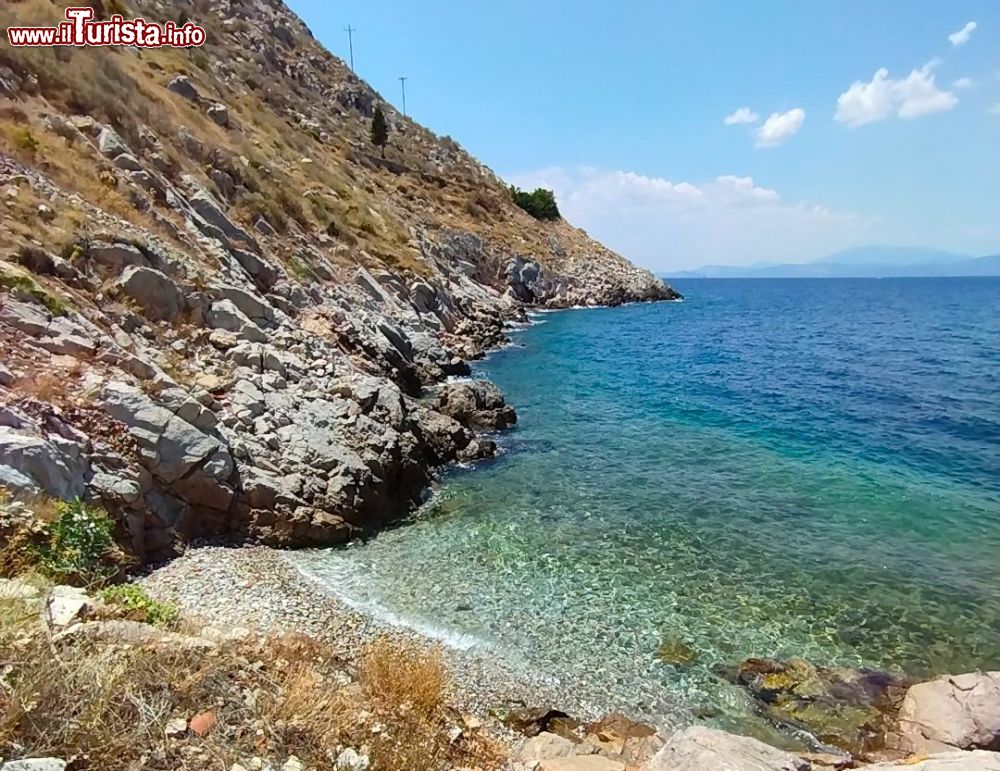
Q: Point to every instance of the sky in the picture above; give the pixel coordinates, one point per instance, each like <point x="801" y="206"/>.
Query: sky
<point x="694" y="132"/>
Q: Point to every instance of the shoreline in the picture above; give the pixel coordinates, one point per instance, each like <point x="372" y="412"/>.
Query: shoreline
<point x="256" y="587"/>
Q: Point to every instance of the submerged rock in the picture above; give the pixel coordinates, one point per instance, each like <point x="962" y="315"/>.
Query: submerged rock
<point x="677" y="652"/>
<point x="843" y="707"/>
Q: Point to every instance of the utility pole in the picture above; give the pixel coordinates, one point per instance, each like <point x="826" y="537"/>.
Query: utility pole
<point x="402" y="82"/>
<point x="350" y="40"/>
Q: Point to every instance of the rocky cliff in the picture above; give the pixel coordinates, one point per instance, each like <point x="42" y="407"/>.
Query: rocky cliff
<point x="222" y="311"/>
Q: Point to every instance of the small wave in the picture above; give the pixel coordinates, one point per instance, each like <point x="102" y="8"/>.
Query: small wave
<point x="379" y="612"/>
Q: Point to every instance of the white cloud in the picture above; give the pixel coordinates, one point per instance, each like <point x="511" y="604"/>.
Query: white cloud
<point x="963" y="83"/>
<point x="915" y="95"/>
<point x="668" y="225"/>
<point x="742" y="115"/>
<point x="779" y="127"/>
<point x="961" y="37"/>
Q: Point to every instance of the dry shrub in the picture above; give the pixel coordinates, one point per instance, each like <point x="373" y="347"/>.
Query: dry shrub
<point x="110" y="703"/>
<point x="399" y="677"/>
<point x="43" y="386"/>
<point x="17" y="552"/>
<point x="405" y="685"/>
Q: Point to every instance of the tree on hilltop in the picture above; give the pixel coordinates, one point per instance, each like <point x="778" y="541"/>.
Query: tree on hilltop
<point x="539" y="203"/>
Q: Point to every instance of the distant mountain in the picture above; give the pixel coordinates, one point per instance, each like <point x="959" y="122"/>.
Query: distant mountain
<point x="862" y="262"/>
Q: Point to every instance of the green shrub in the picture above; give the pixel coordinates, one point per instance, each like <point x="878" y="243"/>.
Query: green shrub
<point x="79" y="546"/>
<point x="26" y="141"/>
<point x="540" y="203"/>
<point x="133" y="599"/>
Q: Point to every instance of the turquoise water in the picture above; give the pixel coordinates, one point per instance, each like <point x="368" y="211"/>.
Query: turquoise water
<point x="771" y="468"/>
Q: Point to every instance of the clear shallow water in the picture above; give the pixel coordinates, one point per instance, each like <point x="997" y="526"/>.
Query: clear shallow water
<point x="779" y="468"/>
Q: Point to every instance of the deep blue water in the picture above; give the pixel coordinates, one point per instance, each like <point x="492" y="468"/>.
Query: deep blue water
<point x="772" y="467"/>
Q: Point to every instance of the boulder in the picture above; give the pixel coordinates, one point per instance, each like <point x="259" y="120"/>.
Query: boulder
<point x="477" y="404"/>
<point x="115" y="256"/>
<point x="181" y="84"/>
<point x="158" y="296"/>
<point x="582" y="763"/>
<point x="956" y="711"/>
<point x="210" y="212"/>
<point x="219" y="113"/>
<point x="110" y="144"/>
<point x="253" y="307"/>
<point x="522" y="278"/>
<point x="65" y="604"/>
<point x="35" y="764"/>
<point x="34" y="464"/>
<point x="127" y="162"/>
<point x="263" y="273"/>
<point x="545" y="746"/>
<point x="698" y="748"/>
<point x="225" y="315"/>
<point x="979" y="760"/>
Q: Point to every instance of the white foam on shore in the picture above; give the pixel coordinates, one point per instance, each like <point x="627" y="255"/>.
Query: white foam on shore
<point x="379" y="612"/>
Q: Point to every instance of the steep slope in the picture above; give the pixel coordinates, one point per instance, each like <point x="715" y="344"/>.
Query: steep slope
<point x="222" y="308"/>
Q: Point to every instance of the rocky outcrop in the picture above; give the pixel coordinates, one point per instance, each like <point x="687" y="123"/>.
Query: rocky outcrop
<point x="476" y="404"/>
<point x="241" y="342"/>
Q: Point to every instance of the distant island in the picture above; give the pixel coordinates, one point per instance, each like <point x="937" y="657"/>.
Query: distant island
<point x="861" y="262"/>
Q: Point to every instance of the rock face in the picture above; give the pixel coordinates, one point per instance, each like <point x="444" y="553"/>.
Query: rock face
<point x="40" y="463"/>
<point x="698" y="748"/>
<point x="236" y="338"/>
<point x="958" y="711"/>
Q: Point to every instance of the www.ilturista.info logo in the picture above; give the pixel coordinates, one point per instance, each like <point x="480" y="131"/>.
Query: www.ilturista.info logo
<point x="80" y="30"/>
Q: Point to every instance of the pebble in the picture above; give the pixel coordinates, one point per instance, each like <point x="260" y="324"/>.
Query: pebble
<point x="256" y="587"/>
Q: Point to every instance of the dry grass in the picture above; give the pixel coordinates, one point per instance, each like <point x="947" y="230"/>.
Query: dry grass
<point x="111" y="703"/>
<point x="399" y="677"/>
<point x="45" y="387"/>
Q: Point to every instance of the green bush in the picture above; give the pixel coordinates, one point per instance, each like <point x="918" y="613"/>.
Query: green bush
<point x="79" y="545"/>
<point x="133" y="599"/>
<point x="540" y="203"/>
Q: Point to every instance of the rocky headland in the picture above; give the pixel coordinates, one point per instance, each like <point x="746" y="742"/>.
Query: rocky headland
<point x="223" y="314"/>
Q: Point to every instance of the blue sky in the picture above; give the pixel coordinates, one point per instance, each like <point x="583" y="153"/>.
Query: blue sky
<point x="873" y="125"/>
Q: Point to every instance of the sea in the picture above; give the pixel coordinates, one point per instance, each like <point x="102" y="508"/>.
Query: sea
<point x="785" y="468"/>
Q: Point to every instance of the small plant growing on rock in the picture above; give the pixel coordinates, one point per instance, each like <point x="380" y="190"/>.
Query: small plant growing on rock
<point x="80" y="546"/>
<point x="26" y="141"/>
<point x="22" y="286"/>
<point x="139" y="606"/>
